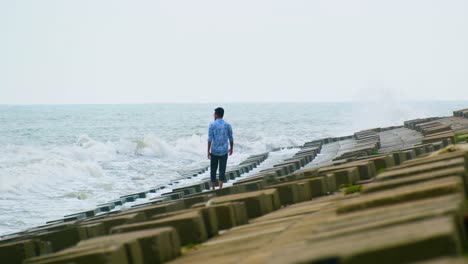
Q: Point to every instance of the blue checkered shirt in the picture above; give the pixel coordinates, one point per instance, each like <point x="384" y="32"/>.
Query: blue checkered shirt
<point x="219" y="133"/>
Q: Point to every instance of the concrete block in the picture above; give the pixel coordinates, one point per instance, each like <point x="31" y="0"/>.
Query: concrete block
<point x="254" y="185"/>
<point x="365" y="168"/>
<point x="409" y="154"/>
<point x="406" y="243"/>
<point x="108" y="222"/>
<point x="189" y="201"/>
<point x="273" y="196"/>
<point x="225" y="215"/>
<point x="382" y="162"/>
<point x="92" y="230"/>
<point x="210" y="219"/>
<point x="257" y="203"/>
<point x="433" y="188"/>
<point x="319" y="186"/>
<point x="415" y="179"/>
<point x="404" y="171"/>
<point x="190" y="227"/>
<point x="331" y="183"/>
<point x="288" y="193"/>
<point x="208" y="214"/>
<point x="437" y="145"/>
<point x="346" y="176"/>
<point x="420" y="151"/>
<point x="304" y="191"/>
<point x="434" y="158"/>
<point x="173" y="195"/>
<point x="150" y="246"/>
<point x="198" y="187"/>
<point x="60" y="239"/>
<point x="98" y="255"/>
<point x="160" y="208"/>
<point x="399" y="157"/>
<point x="240" y="213"/>
<point x="443" y="136"/>
<point x="17" y="252"/>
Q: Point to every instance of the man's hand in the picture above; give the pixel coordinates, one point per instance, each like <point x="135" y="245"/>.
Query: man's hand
<point x="230" y="151"/>
<point x="208" y="150"/>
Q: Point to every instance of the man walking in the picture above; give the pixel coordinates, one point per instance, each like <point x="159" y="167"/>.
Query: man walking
<point x="219" y="133"/>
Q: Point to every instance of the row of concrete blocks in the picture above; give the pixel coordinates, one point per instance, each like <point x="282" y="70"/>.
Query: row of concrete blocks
<point x="411" y="124"/>
<point x="433" y="127"/>
<point x="320" y="181"/>
<point x="321" y="187"/>
<point x="287" y="193"/>
<point x="205" y="184"/>
<point x="400" y="225"/>
<point x="57" y="237"/>
<point x="56" y="232"/>
<point x="305" y="155"/>
<point x="177" y="193"/>
<point x="363" y="168"/>
<point x="418" y="207"/>
<point x="412" y="212"/>
<point x="244" y="167"/>
<point x="106" y="207"/>
<point x="461" y="113"/>
<point x="368" y="143"/>
<point x="191" y="226"/>
<point x="433" y="130"/>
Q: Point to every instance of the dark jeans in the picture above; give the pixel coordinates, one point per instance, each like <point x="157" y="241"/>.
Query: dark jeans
<point x="222" y="160"/>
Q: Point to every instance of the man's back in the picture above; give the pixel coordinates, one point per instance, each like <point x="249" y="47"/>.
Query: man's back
<point x="219" y="133"/>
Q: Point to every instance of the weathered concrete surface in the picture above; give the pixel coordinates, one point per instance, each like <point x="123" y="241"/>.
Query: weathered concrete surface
<point x="400" y="138"/>
<point x="433" y="188"/>
<point x="396" y="244"/>
<point x="190" y="227"/>
<point x="100" y="255"/>
<point x="16" y="252"/>
<point x="414" y="179"/>
<point x="257" y="203"/>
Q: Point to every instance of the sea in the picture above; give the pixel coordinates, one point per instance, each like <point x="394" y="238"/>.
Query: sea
<point x="57" y="160"/>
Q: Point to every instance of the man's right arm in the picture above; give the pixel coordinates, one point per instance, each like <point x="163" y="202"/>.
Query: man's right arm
<point x="210" y="138"/>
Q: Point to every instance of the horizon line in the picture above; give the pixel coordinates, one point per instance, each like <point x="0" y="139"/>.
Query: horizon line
<point x="233" y="102"/>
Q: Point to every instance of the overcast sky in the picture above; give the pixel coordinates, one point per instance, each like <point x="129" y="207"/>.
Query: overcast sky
<point x="142" y="51"/>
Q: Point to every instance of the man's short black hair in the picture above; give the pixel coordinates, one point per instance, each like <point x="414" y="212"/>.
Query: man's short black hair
<point x="219" y="111"/>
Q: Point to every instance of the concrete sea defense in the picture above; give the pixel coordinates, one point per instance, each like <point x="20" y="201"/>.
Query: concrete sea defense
<point x="407" y="205"/>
